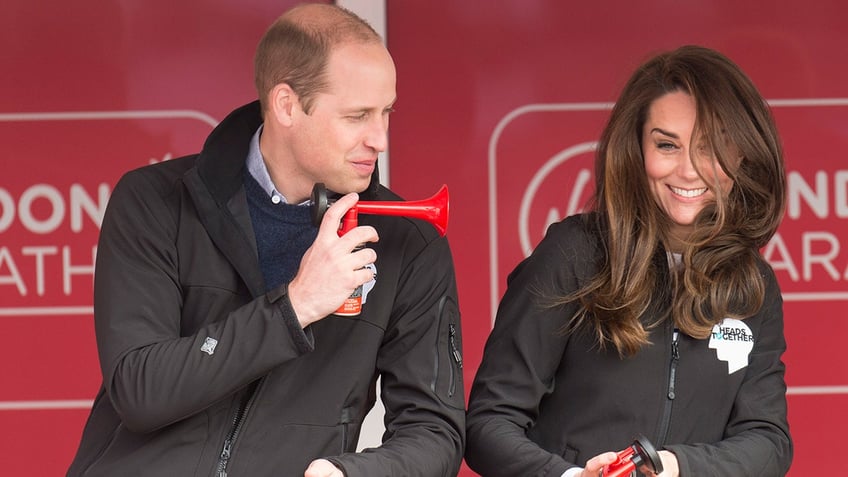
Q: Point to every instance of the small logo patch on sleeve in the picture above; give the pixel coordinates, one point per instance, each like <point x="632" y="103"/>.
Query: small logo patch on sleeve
<point x="367" y="286"/>
<point x="209" y="345"/>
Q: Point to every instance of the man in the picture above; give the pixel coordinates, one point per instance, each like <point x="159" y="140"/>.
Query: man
<point x="214" y="292"/>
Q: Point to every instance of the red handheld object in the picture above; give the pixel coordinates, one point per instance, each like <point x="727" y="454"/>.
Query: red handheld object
<point x="640" y="454"/>
<point x="349" y="220"/>
<point x="433" y="210"/>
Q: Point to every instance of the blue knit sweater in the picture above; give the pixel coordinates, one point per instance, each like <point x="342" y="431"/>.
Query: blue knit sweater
<point x="283" y="233"/>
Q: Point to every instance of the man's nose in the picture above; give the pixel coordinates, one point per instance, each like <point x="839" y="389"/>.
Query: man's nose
<point x="377" y="136"/>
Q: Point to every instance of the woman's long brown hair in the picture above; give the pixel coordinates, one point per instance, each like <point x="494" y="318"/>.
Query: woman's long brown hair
<point x="720" y="275"/>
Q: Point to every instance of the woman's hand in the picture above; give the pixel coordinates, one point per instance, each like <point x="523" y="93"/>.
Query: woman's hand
<point x="669" y="463"/>
<point x="322" y="468"/>
<point x="596" y="464"/>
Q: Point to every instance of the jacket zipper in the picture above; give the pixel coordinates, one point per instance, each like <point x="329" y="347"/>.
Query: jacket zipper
<point x="457" y="357"/>
<point x="235" y="429"/>
<point x="672" y="375"/>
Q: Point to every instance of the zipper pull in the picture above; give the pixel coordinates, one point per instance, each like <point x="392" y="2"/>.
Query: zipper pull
<point x="457" y="356"/>
<point x="675" y="351"/>
<point x="225" y="457"/>
<point x="675" y="357"/>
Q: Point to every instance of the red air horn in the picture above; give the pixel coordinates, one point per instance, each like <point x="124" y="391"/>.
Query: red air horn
<point x="641" y="453"/>
<point x="433" y="210"/>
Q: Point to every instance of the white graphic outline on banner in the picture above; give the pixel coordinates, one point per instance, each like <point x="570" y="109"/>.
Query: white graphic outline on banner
<point x="91" y="116"/>
<point x="101" y="115"/>
<point x="79" y="310"/>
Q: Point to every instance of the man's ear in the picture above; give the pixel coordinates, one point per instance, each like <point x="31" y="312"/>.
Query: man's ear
<point x="282" y="103"/>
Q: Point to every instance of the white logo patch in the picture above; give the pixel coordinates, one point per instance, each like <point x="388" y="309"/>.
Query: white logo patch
<point x="209" y="346"/>
<point x="367" y="286"/>
<point x="733" y="342"/>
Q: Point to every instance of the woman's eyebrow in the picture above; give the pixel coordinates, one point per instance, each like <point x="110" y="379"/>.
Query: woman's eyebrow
<point x="665" y="133"/>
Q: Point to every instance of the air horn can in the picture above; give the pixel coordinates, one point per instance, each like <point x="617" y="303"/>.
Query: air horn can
<point x="434" y="210"/>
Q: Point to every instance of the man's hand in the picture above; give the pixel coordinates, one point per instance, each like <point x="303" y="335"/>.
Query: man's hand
<point x="329" y="272"/>
<point x="322" y="468"/>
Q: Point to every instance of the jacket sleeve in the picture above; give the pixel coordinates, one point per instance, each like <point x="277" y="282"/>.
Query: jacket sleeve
<point x="156" y="369"/>
<point x="420" y="364"/>
<point x="520" y="362"/>
<point x="757" y="440"/>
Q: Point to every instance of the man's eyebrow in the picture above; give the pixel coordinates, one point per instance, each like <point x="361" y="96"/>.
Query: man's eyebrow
<point x="368" y="109"/>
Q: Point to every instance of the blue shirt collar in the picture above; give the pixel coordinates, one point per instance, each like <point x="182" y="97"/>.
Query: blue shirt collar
<point x="258" y="170"/>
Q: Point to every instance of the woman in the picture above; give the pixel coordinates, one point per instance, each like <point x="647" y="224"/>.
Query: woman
<point x="654" y="314"/>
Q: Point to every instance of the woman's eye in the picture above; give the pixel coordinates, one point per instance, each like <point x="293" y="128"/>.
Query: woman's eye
<point x="705" y="151"/>
<point x="665" y="146"/>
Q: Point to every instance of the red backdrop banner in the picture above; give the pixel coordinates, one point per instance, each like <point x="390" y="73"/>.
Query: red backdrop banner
<point x="503" y="101"/>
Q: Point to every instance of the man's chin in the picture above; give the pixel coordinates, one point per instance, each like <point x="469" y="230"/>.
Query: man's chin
<point x="358" y="187"/>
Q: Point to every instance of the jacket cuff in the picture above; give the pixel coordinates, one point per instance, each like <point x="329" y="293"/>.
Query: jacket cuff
<point x="338" y="464"/>
<point x="302" y="339"/>
<point x="684" y="467"/>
